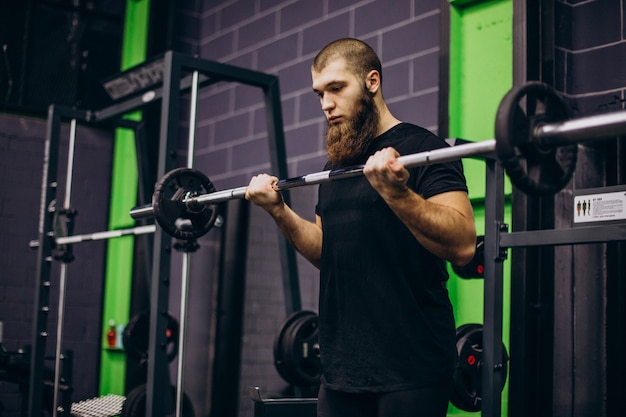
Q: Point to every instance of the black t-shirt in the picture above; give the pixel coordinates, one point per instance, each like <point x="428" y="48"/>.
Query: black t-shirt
<point x="386" y="321"/>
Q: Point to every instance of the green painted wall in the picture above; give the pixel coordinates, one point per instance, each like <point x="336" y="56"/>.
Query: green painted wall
<point x="481" y="57"/>
<point x="119" y="265"/>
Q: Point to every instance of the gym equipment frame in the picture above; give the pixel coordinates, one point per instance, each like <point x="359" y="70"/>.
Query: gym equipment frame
<point x="176" y="78"/>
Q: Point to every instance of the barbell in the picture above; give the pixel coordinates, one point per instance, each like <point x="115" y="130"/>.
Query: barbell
<point x="536" y="142"/>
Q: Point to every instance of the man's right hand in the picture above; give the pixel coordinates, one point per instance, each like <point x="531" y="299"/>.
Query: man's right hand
<point x="261" y="192"/>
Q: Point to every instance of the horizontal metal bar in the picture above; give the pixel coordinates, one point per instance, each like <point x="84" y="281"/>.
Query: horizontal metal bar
<point x="436" y="156"/>
<point x="219" y="196"/>
<point x="136" y="102"/>
<point x="225" y="72"/>
<point x="601" y="126"/>
<point x="556" y="237"/>
<point x="142" y="212"/>
<point x="409" y="161"/>
<point x="109" y="234"/>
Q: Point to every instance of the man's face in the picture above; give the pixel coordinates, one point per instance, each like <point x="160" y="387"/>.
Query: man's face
<point x="350" y="111"/>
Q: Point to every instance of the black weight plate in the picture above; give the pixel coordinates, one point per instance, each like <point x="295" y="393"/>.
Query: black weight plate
<point x="476" y="267"/>
<point x="135" y="403"/>
<point x="63" y="225"/>
<point x="296" y="349"/>
<point x="535" y="168"/>
<point x="185" y="221"/>
<point x="467" y="380"/>
<point x="298" y="354"/>
<point x="462" y="330"/>
<point x="279" y="341"/>
<point x="135" y="337"/>
<point x="306" y="351"/>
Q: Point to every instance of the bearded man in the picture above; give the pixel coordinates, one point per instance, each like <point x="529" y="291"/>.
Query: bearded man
<point x="386" y="326"/>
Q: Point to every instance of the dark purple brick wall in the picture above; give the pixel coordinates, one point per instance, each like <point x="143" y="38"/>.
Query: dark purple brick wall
<point x="590" y="54"/>
<point x="589" y="60"/>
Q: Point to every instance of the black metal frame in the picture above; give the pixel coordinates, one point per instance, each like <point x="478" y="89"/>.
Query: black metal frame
<point x="282" y="407"/>
<point x="175" y="81"/>
<point x="44" y="254"/>
<point x="498" y="240"/>
<point x="45" y="247"/>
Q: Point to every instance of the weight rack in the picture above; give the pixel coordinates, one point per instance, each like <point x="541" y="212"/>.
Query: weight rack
<point x="176" y="79"/>
<point x="498" y="239"/>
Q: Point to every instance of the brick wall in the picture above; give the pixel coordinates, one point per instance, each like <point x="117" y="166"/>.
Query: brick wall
<point x="588" y="61"/>
<point x="590" y="55"/>
<point x="281" y="38"/>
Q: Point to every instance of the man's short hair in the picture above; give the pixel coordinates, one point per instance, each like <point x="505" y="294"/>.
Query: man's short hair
<point x="358" y="56"/>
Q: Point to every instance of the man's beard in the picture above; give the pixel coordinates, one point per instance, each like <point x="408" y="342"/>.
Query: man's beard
<point x="348" y="142"/>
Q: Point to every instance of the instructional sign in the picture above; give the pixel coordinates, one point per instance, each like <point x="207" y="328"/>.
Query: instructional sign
<point x="600" y="207"/>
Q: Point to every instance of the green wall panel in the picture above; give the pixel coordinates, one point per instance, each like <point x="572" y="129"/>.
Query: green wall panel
<point x="481" y="56"/>
<point x="119" y="265"/>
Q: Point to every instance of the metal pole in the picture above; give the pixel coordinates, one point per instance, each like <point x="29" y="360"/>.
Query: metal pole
<point x="159" y="401"/>
<point x="184" y="291"/>
<point x="44" y="257"/>
<point x="63" y="281"/>
<point x="492" y="375"/>
<point x="108" y="234"/>
<point x="586" y="128"/>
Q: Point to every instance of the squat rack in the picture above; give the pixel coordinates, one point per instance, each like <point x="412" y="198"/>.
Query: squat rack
<point x="498" y="239"/>
<point x="175" y="80"/>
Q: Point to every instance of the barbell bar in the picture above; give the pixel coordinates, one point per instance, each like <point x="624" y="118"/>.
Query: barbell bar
<point x="409" y="161"/>
<point x="536" y="141"/>
<point x="185" y="210"/>
<point x="107" y="234"/>
<point x="578" y="130"/>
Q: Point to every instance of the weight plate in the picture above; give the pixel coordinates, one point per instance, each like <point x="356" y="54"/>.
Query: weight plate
<point x="185" y="221"/>
<point x="135" y="404"/>
<point x="476" y="267"/>
<point x="136" y="336"/>
<point x="63" y="225"/>
<point x="467" y="380"/>
<point x="296" y="350"/>
<point x="534" y="168"/>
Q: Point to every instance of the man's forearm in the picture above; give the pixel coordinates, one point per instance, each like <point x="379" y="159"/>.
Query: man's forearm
<point x="304" y="235"/>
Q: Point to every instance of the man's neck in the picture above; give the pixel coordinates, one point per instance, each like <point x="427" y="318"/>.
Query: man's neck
<point x="387" y="120"/>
